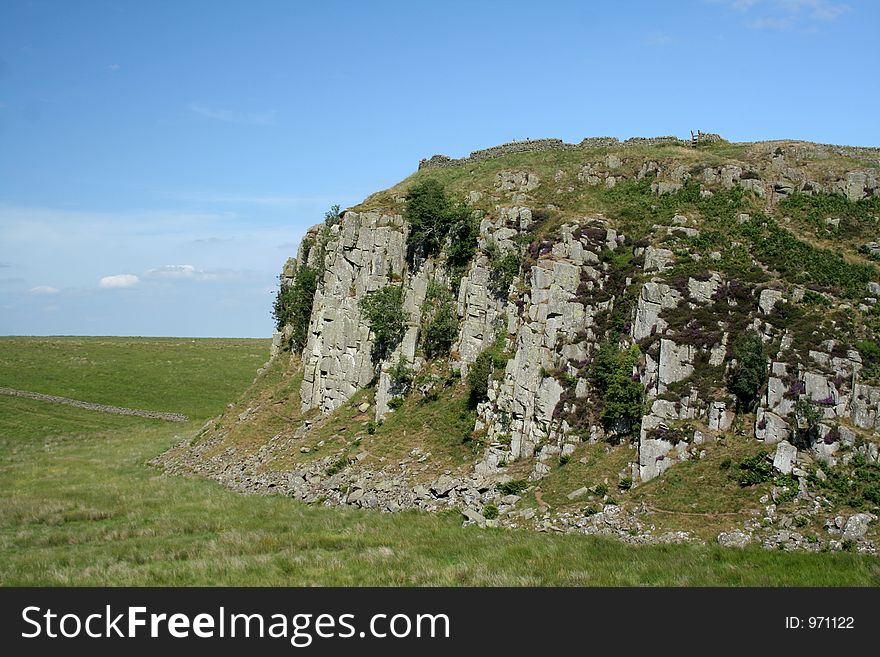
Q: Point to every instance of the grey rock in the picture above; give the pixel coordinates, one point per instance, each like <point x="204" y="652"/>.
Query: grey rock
<point x="768" y="300"/>
<point x="443" y="485"/>
<point x="785" y="455"/>
<point x="736" y="539"/>
<point x="857" y="526"/>
<point x="657" y="259"/>
<point x="580" y="492"/>
<point x="474" y="516"/>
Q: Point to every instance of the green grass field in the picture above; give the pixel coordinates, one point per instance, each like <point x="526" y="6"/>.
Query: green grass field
<point x="82" y="507"/>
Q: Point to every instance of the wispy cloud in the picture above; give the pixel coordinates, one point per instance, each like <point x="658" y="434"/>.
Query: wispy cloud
<point x="186" y="273"/>
<point x="232" y="116"/>
<point x="113" y="67"/>
<point x="265" y="200"/>
<point x="786" y="14"/>
<point x="43" y="290"/>
<point x="212" y="241"/>
<point x="771" y="23"/>
<point x="659" y="40"/>
<point x="172" y="272"/>
<point x="118" y="281"/>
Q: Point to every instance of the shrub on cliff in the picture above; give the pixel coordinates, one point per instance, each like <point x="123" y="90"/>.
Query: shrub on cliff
<point x="504" y="267"/>
<point x="432" y="217"/>
<point x="750" y="373"/>
<point x="293" y="305"/>
<point x="333" y="216"/>
<point x="463" y="237"/>
<point x="439" y="321"/>
<point x="623" y="396"/>
<point x="383" y="310"/>
<point x="490" y="361"/>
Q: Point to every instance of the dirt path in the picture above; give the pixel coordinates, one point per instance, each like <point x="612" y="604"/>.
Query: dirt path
<point x="696" y="513"/>
<point x="101" y="408"/>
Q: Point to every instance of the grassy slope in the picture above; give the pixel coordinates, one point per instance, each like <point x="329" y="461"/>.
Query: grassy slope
<point x="136" y="527"/>
<point x="83" y="507"/>
<point x="163" y="374"/>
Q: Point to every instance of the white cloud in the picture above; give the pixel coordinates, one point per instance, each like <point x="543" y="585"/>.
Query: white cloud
<point x="113" y="67"/>
<point x="232" y="116"/>
<point x="172" y="272"/>
<point x="118" y="280"/>
<point x="43" y="290"/>
<point x="770" y="23"/>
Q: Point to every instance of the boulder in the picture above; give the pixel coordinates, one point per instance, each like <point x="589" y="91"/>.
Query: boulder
<point x="769" y="299"/>
<point x="737" y="539"/>
<point x="474" y="516"/>
<point x="786" y="453"/>
<point x="857" y="526"/>
<point x="443" y="485"/>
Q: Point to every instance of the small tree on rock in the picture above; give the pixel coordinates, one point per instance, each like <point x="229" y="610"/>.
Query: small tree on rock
<point x="749" y="374"/>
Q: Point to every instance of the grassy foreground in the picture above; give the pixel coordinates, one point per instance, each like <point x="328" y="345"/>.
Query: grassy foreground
<point x="81" y="507"/>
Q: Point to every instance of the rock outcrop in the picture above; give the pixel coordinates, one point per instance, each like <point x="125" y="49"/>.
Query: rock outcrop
<point x="676" y="278"/>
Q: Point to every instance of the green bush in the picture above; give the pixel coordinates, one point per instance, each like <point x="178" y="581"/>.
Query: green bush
<point x="869" y="350"/>
<point x="402" y="376"/>
<point x="337" y="466"/>
<point x="293" y="305"/>
<point x="750" y="373"/>
<point x="333" y="216"/>
<point x="513" y="487"/>
<point x="478" y="379"/>
<point x="813" y="298"/>
<point x="622" y="395"/>
<point x="601" y="490"/>
<point x="490" y="512"/>
<point x="463" y="236"/>
<point x="808" y="413"/>
<point x="565" y="459"/>
<point x="856" y="484"/>
<point x="432" y="217"/>
<point x="439" y="321"/>
<point x="504" y="267"/>
<point x="625" y="484"/>
<point x="486" y="364"/>
<point x="395" y="402"/>
<point x="753" y="470"/>
<point x="383" y="310"/>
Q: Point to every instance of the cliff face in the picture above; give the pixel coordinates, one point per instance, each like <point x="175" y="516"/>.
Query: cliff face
<point x="551" y="326"/>
<point x="665" y="253"/>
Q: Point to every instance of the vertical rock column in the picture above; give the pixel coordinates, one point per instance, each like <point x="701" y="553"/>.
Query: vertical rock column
<point x="362" y="254"/>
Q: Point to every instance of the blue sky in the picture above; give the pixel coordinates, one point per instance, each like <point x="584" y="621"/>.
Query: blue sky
<point x="160" y="160"/>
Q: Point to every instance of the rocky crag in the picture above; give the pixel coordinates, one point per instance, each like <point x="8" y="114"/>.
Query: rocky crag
<point x="642" y="315"/>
